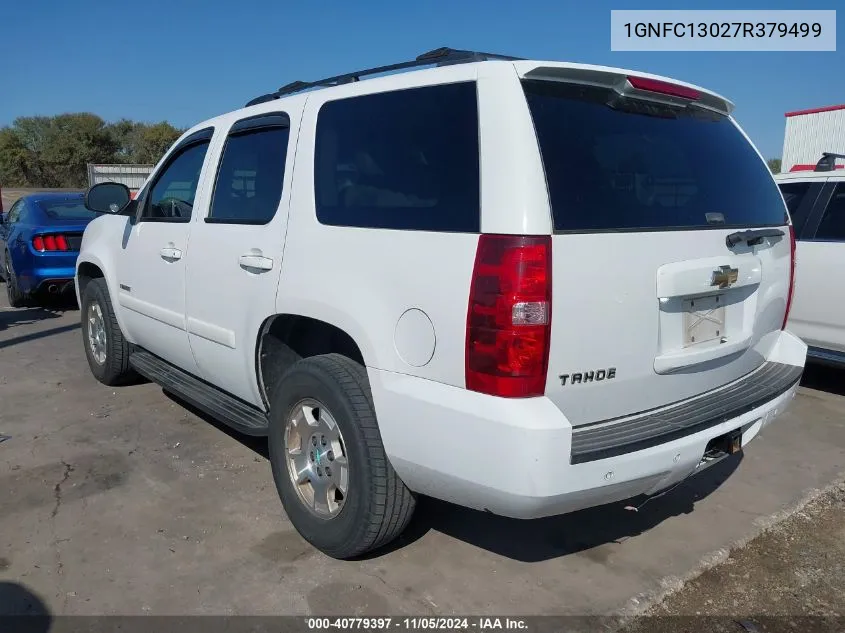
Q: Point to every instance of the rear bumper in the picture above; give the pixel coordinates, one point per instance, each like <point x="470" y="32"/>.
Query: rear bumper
<point x="823" y="356"/>
<point x="515" y="457"/>
<point x="47" y="271"/>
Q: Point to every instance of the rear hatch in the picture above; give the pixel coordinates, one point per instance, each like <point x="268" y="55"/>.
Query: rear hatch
<point x="659" y="293"/>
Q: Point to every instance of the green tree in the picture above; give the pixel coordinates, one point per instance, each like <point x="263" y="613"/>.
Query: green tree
<point x="54" y="151"/>
<point x="154" y="141"/>
<point x="774" y="165"/>
<point x="31" y="133"/>
<point x="73" y="141"/>
<point x="19" y="166"/>
<point x="126" y="135"/>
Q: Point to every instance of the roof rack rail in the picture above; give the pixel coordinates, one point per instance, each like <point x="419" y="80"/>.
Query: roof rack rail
<point x="828" y="161"/>
<point x="439" y="56"/>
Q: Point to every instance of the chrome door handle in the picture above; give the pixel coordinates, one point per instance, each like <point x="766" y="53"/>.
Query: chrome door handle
<point x="170" y="253"/>
<point x="256" y="262"/>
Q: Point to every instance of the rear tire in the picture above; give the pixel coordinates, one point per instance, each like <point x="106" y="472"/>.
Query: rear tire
<point x="106" y="349"/>
<point x="16" y="298"/>
<point x="376" y="505"/>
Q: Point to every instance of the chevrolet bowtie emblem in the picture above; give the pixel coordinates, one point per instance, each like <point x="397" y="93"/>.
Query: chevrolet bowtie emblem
<point x="724" y="276"/>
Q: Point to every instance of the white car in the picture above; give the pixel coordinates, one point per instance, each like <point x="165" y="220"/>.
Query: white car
<point x="816" y="201"/>
<point x="524" y="287"/>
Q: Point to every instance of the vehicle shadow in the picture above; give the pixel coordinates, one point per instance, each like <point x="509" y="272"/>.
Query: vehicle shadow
<point x="538" y="539"/>
<point x="824" y="378"/>
<point x="21" y="609"/>
<point x="258" y="445"/>
<point x="10" y="318"/>
<point x="553" y="537"/>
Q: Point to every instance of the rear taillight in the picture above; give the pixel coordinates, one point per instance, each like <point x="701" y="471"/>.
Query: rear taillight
<point x="664" y="87"/>
<point x="509" y="316"/>
<point x="791" y="275"/>
<point x="50" y="243"/>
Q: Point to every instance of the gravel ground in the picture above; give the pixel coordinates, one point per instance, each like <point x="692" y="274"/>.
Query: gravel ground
<point x="790" y="578"/>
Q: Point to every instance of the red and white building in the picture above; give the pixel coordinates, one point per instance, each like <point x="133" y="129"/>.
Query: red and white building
<point x="809" y="133"/>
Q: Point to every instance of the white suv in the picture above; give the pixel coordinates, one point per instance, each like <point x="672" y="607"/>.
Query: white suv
<point x="816" y="202"/>
<point x="524" y="287"/>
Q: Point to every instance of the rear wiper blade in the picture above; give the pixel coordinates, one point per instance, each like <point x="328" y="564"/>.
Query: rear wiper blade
<point x="752" y="236"/>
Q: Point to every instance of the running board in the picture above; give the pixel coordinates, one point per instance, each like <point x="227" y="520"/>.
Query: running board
<point x="826" y="356"/>
<point x="230" y="410"/>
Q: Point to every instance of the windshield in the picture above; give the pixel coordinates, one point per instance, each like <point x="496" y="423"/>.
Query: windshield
<point x="66" y="210"/>
<point x="622" y="164"/>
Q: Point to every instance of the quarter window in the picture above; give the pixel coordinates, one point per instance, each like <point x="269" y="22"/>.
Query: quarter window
<point x="15" y="211"/>
<point x="406" y="159"/>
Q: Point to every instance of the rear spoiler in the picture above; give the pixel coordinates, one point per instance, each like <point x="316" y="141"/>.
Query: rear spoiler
<point x="629" y="84"/>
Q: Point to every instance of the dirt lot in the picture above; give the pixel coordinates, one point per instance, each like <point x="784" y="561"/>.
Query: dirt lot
<point x="122" y="501"/>
<point x="792" y="577"/>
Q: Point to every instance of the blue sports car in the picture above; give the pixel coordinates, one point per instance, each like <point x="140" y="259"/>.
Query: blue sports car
<point x="40" y="236"/>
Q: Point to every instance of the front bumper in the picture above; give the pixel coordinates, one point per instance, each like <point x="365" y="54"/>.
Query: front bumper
<point x="515" y="457"/>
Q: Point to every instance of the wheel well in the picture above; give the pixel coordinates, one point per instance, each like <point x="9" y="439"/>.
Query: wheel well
<point x="85" y="273"/>
<point x="287" y="337"/>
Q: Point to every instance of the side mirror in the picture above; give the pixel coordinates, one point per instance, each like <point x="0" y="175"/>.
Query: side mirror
<point x="107" y="197"/>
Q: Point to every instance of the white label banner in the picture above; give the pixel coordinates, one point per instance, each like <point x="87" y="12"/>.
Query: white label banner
<point x="729" y="30"/>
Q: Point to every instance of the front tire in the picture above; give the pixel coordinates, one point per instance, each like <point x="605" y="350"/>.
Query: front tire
<point x="16" y="298"/>
<point x="331" y="471"/>
<point x="106" y="349"/>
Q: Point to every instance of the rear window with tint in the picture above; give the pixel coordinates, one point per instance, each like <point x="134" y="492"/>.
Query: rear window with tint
<point x="66" y="210"/>
<point x="614" y="164"/>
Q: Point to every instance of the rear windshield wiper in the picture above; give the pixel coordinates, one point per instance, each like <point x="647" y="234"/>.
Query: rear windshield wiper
<point x="753" y="236"/>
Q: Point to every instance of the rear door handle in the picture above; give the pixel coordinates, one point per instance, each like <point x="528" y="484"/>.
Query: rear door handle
<point x="256" y="262"/>
<point x="170" y="253"/>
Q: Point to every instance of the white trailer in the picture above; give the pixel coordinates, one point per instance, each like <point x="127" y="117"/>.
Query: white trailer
<point x="133" y="176"/>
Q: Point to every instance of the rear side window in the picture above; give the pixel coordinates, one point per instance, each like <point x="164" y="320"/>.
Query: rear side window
<point x="406" y="159"/>
<point x="832" y="226"/>
<point x="250" y="177"/>
<point x="618" y="164"/>
<point x="797" y="201"/>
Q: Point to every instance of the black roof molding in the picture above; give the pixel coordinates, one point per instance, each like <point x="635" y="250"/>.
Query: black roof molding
<point x="437" y="57"/>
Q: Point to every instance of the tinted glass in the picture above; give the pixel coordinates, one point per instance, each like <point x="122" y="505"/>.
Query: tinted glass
<point x="66" y="210"/>
<point x="172" y="196"/>
<point x="623" y="164"/>
<point x="795" y="193"/>
<point x="400" y="160"/>
<point x="832" y="226"/>
<point x="249" y="181"/>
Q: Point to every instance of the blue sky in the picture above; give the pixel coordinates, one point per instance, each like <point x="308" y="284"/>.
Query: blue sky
<point x="184" y="61"/>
